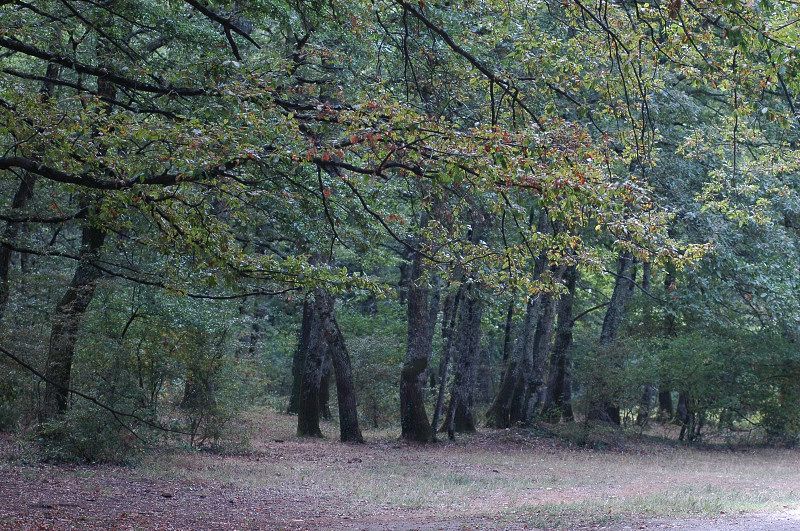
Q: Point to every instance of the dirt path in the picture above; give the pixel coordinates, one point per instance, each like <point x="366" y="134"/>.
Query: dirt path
<point x="52" y="497"/>
<point x="782" y="521"/>
<point x="494" y="480"/>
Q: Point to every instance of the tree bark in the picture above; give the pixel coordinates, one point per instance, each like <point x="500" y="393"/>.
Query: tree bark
<point x="460" y="415"/>
<point x="66" y="324"/>
<point x="451" y="306"/>
<point x="299" y="358"/>
<point x="665" y="405"/>
<point x="326" y="347"/>
<point x="605" y="408"/>
<point x="534" y="394"/>
<point x="325" y="389"/>
<point x="314" y="359"/>
<point x="506" y="408"/>
<point x="414" y="422"/>
<point x="23" y="194"/>
<point x="508" y="334"/>
<point x="643" y="414"/>
<point x="349" y="430"/>
<point x="558" y="394"/>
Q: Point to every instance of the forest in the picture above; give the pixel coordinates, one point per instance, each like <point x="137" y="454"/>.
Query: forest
<point x="367" y="263"/>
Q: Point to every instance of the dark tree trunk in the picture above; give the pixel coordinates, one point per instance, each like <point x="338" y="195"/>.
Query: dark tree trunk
<point x="433" y="315"/>
<point x="534" y="395"/>
<point x="508" y="334"/>
<point x="326" y="346"/>
<point x="298" y="360"/>
<point x="325" y="390"/>
<point x="20" y="200"/>
<point x="508" y="406"/>
<point x="451" y="306"/>
<point x="413" y="417"/>
<point x="460" y="415"/>
<point x="509" y="394"/>
<point x="645" y="402"/>
<point x="558" y="395"/>
<point x="665" y="404"/>
<point x="484" y="377"/>
<point x="644" y="406"/>
<point x="447" y="310"/>
<point x="314" y="361"/>
<point x="605" y="408"/>
<point x="349" y="430"/>
<point x="23" y="194"/>
<point x="67" y="321"/>
<point x="260" y="312"/>
<point x="688" y="418"/>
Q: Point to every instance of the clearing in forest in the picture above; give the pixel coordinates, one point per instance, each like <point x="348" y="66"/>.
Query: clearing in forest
<point x="494" y="479"/>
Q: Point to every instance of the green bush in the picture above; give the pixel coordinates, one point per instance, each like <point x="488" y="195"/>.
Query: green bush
<point x="88" y="434"/>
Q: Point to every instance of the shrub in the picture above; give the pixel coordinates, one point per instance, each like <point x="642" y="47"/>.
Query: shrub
<point x="87" y="434"/>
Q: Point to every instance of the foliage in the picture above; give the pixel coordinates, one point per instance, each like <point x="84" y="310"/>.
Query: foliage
<point x="235" y="157"/>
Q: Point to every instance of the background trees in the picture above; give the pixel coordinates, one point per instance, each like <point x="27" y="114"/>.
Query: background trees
<point x="421" y="190"/>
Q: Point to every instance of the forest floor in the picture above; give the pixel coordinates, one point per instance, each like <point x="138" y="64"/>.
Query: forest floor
<point x="495" y="479"/>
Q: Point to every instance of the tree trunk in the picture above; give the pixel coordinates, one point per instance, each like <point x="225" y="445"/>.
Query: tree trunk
<point x="644" y="406"/>
<point x="665" y="404"/>
<point x="326" y="347"/>
<point x="509" y="402"/>
<point x="20" y="200"/>
<point x="687" y="417"/>
<point x="508" y="405"/>
<point x="558" y="395"/>
<point x="460" y="415"/>
<point x="21" y="197"/>
<point x="451" y="306"/>
<point x="534" y="395"/>
<point x="314" y="360"/>
<point x="413" y="417"/>
<point x="484" y="376"/>
<point x="66" y="323"/>
<point x="298" y="360"/>
<point x="605" y="408"/>
<point x="508" y="335"/>
<point x="325" y="390"/>
<point x="349" y="430"/>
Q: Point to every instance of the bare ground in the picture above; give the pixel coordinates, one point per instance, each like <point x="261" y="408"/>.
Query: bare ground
<point x="504" y="479"/>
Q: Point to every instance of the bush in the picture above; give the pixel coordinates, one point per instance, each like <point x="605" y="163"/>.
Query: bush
<point x="87" y="434"/>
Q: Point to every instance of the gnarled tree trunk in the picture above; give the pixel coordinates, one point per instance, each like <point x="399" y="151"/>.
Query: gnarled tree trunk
<point x="326" y="347"/>
<point x="413" y="417"/>
<point x="313" y="367"/>
<point x="460" y="414"/>
<point x="508" y="405"/>
<point x="66" y="323"/>
<point x="349" y="430"/>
